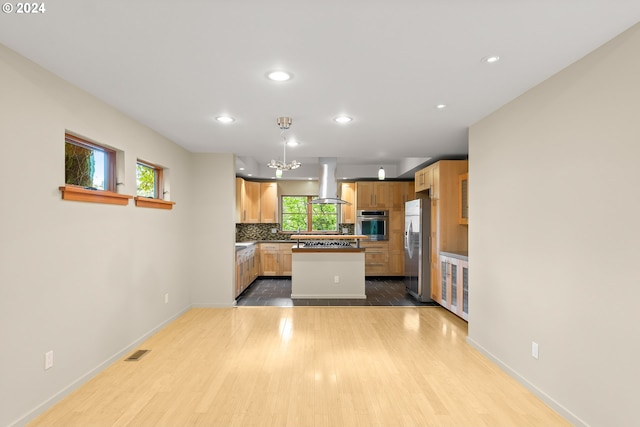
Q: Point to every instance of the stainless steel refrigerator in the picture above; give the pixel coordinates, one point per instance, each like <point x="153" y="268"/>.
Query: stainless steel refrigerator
<point x="417" y="248"/>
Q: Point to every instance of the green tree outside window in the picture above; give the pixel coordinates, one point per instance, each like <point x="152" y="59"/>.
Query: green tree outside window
<point x="298" y="214"/>
<point x="146" y="179"/>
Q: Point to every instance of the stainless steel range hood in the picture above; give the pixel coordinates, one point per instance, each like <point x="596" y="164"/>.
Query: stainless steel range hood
<point x="328" y="183"/>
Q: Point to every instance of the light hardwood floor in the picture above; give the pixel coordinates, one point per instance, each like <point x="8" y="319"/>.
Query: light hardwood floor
<point x="305" y="366"/>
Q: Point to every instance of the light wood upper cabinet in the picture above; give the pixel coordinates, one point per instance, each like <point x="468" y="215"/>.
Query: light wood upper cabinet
<point x="422" y="181"/>
<point x="364" y="194"/>
<point x="400" y="192"/>
<point x="348" y="194"/>
<point x="429" y="179"/>
<point x="239" y="196"/>
<point x="435" y="181"/>
<point x="247" y="201"/>
<point x="463" y="199"/>
<point x="372" y="195"/>
<point x="410" y="190"/>
<point x="256" y="202"/>
<point x="251" y="202"/>
<point x="268" y="202"/>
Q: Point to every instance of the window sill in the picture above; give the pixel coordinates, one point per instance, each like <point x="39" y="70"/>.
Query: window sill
<point x="80" y="194"/>
<point x="146" y="202"/>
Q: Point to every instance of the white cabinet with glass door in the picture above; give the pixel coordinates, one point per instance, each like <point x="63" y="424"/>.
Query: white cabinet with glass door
<point x="454" y="283"/>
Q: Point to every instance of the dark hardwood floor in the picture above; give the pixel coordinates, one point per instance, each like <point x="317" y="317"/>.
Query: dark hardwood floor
<point x="277" y="292"/>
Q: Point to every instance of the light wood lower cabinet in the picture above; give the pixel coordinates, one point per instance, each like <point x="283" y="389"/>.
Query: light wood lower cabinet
<point x="285" y="259"/>
<point x="454" y="284"/>
<point x="269" y="259"/>
<point x="376" y="258"/>
<point x="247" y="268"/>
<point x="275" y="259"/>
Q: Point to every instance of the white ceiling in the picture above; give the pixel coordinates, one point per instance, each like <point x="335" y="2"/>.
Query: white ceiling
<point x="176" y="65"/>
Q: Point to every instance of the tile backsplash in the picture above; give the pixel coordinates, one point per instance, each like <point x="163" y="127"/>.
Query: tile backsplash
<point x="245" y="232"/>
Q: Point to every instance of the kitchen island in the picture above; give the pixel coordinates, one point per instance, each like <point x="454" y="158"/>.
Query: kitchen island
<point x="328" y="269"/>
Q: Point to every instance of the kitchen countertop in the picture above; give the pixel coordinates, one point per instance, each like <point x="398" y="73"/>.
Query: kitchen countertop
<point x="244" y="245"/>
<point x="459" y="255"/>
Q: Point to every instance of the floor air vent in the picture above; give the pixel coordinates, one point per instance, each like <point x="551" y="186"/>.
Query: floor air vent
<point x="136" y="356"/>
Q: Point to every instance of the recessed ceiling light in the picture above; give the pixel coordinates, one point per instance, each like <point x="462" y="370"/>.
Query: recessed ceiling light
<point x="249" y="174"/>
<point x="225" y="119"/>
<point x="292" y="143"/>
<point x="343" y="119"/>
<point x="279" y="76"/>
<point x="441" y="106"/>
<point x="491" y="59"/>
<point x="240" y="169"/>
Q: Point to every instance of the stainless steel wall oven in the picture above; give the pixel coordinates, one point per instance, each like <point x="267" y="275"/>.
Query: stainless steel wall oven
<point x="373" y="224"/>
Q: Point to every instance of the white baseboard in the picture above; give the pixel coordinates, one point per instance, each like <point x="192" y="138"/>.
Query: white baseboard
<point x="213" y="305"/>
<point x="555" y="405"/>
<point x="41" y="408"/>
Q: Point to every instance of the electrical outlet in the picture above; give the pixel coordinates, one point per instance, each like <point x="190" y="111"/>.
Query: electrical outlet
<point x="274" y="230"/>
<point x="48" y="359"/>
<point x="345" y="230"/>
<point x="166" y="298"/>
<point x="336" y="279"/>
<point x="534" y="349"/>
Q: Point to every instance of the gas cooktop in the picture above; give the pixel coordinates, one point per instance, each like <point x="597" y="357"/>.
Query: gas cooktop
<point x="328" y="244"/>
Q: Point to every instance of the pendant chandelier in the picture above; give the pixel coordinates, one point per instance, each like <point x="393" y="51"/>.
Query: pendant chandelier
<point x="280" y="166"/>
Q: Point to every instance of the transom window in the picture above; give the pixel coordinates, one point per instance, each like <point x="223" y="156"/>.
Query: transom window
<point x="88" y="165"/>
<point x="299" y="214"/>
<point x="149" y="180"/>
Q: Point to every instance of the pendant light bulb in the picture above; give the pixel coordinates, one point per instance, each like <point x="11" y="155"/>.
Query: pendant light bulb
<point x="278" y="173"/>
<point x="381" y="173"/>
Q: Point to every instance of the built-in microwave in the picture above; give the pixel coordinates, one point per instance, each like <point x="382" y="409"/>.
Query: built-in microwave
<point x="373" y="224"/>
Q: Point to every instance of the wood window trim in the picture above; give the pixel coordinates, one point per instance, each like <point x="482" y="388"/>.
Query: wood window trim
<point x="147" y="202"/>
<point x="80" y="194"/>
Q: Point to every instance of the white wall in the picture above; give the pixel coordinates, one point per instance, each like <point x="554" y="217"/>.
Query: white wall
<point x="82" y="279"/>
<point x="213" y="246"/>
<point x="553" y="236"/>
